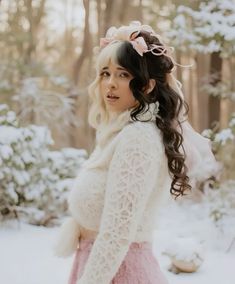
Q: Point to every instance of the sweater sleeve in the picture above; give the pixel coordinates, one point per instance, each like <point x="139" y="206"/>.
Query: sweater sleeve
<point x="131" y="178"/>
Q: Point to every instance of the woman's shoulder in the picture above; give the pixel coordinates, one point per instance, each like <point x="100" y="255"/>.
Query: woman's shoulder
<point x="141" y="129"/>
<point x="141" y="133"/>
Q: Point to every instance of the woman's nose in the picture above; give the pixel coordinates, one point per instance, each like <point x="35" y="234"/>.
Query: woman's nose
<point x="112" y="83"/>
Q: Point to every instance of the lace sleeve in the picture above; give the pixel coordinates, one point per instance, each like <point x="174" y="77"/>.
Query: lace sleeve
<point x="131" y="177"/>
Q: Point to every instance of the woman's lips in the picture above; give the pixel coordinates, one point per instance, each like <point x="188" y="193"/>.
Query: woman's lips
<point x="111" y="100"/>
<point x="111" y="97"/>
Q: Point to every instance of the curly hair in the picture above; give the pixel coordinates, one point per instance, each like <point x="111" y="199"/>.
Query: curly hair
<point x="143" y="68"/>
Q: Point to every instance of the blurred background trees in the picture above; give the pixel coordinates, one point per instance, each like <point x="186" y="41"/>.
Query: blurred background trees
<point x="47" y="60"/>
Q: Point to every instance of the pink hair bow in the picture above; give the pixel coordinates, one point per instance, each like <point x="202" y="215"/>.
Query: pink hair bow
<point x="104" y="41"/>
<point x="138" y="43"/>
<point x="130" y="33"/>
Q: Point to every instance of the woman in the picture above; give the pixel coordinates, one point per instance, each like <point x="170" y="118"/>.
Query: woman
<point x="139" y="157"/>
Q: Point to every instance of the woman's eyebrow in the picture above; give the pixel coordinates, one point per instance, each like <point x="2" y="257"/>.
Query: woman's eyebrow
<point x="118" y="68"/>
<point x="121" y="68"/>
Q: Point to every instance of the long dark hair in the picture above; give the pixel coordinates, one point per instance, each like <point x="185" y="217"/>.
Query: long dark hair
<point x="146" y="67"/>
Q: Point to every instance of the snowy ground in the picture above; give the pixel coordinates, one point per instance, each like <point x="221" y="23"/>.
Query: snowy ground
<point x="26" y="255"/>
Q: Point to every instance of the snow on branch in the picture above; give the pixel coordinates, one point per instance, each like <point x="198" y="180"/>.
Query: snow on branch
<point x="33" y="179"/>
<point x="208" y="29"/>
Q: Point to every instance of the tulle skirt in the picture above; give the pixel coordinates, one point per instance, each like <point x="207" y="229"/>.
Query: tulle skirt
<point x="138" y="267"/>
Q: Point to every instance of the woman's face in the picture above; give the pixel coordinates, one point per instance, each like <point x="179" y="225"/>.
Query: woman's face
<point x="114" y="88"/>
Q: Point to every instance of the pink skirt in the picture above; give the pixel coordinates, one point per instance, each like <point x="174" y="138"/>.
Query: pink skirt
<point x="138" y="267"/>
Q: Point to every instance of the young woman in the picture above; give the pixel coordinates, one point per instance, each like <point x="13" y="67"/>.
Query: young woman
<point x="138" y="110"/>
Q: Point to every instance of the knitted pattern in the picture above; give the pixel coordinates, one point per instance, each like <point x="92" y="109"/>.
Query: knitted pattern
<point x="117" y="194"/>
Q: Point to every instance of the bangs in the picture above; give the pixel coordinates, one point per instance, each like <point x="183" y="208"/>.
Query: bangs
<point x="109" y="53"/>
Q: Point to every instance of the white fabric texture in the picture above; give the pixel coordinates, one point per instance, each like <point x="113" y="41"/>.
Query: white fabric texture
<point x="118" y="193"/>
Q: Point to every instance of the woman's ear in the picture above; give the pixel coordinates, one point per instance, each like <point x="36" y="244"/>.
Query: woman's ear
<point x="151" y="85"/>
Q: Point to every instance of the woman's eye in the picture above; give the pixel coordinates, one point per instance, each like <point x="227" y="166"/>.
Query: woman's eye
<point x="104" y="74"/>
<point x="124" y="75"/>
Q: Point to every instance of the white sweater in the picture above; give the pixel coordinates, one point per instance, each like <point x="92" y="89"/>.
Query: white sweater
<point x="117" y="193"/>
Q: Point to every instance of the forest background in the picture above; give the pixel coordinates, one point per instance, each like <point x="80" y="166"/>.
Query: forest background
<point x="47" y="61"/>
<point x="47" y="58"/>
<point x="46" y="64"/>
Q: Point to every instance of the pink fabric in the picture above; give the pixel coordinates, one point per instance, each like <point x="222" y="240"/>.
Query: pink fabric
<point x="130" y="33"/>
<point x="139" y="266"/>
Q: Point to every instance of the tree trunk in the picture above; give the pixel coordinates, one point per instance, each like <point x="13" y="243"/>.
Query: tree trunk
<point x="34" y="17"/>
<point x="86" y="46"/>
<point x="203" y="66"/>
<point x="99" y="20"/>
<point x="215" y="78"/>
<point x="232" y="76"/>
<point x="107" y="16"/>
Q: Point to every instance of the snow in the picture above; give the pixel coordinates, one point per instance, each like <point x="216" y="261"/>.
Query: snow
<point x="9" y="134"/>
<point x="3" y="107"/>
<point x="223" y="136"/>
<point x="31" y="175"/>
<point x="208" y="29"/>
<point x="185" y="249"/>
<point x="27" y="251"/>
<point x="27" y="257"/>
<point x="232" y="122"/>
<point x="6" y="152"/>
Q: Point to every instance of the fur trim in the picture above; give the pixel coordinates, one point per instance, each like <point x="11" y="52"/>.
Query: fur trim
<point x="68" y="240"/>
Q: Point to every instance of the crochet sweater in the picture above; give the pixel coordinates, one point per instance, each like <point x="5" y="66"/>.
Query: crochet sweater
<point x="117" y="193"/>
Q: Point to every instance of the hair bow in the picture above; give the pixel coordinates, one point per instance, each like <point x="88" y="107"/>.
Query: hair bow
<point x="138" y="43"/>
<point x="130" y="33"/>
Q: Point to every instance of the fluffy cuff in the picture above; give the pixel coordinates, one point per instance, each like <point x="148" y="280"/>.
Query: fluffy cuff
<point x="68" y="240"/>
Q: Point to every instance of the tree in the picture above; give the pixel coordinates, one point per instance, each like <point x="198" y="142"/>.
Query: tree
<point x="208" y="29"/>
<point x="86" y="44"/>
<point x="31" y="78"/>
<point x="34" y="180"/>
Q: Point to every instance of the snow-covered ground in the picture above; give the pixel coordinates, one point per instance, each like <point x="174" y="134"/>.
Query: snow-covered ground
<point x="26" y="254"/>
